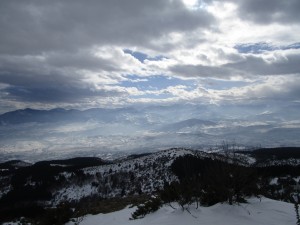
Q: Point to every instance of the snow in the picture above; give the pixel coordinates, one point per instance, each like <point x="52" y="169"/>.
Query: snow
<point x="11" y="223"/>
<point x="5" y="190"/>
<point x="297" y="179"/>
<point x="274" y="181"/>
<point x="151" y="172"/>
<point x="142" y="167"/>
<point x="74" y="192"/>
<point x="256" y="212"/>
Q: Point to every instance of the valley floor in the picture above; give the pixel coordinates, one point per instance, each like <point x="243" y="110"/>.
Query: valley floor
<point x="255" y="212"/>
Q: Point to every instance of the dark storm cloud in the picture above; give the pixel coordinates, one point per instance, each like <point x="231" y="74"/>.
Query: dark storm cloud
<point x="54" y="77"/>
<point x="48" y="48"/>
<point x="52" y="88"/>
<point x="252" y="65"/>
<point x="44" y="44"/>
<point x="248" y="66"/>
<point x="81" y="59"/>
<point x="269" y="11"/>
<point x="32" y="27"/>
<point x="57" y="94"/>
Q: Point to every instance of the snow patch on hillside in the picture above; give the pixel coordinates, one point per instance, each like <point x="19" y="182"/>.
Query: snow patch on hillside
<point x="256" y="212"/>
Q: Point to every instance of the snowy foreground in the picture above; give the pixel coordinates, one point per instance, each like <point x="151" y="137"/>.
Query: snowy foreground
<point x="266" y="212"/>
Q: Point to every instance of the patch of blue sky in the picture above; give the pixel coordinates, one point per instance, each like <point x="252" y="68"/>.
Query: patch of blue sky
<point x="292" y="46"/>
<point x="142" y="56"/>
<point x="257" y="48"/>
<point x="156" y="82"/>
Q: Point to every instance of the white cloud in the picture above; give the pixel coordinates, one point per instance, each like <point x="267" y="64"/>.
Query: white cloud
<point x="62" y="54"/>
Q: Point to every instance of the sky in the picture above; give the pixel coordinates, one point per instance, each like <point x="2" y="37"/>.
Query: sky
<point x="118" y="53"/>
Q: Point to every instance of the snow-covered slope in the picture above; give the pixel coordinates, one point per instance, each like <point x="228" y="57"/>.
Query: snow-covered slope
<point x="124" y="177"/>
<point x="80" y="182"/>
<point x="129" y="175"/>
<point x="256" y="212"/>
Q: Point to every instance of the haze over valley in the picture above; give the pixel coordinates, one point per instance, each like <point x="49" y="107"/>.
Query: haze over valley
<point x="47" y="134"/>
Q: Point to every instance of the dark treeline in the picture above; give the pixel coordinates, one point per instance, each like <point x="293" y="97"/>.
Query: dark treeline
<point x="274" y="153"/>
<point x="205" y="181"/>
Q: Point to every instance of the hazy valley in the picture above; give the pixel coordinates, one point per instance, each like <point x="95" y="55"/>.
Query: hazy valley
<point x="109" y="133"/>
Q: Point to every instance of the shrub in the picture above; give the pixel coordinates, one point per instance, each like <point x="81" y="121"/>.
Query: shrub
<point x="149" y="206"/>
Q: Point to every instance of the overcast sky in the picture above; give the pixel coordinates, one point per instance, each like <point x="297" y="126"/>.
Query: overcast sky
<point x="98" y="53"/>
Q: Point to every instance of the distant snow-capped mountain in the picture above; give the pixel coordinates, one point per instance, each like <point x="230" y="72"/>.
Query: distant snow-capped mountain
<point x="64" y="115"/>
<point x="190" y="123"/>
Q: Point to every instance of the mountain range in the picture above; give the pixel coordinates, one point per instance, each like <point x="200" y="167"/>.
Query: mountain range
<point x="33" y="135"/>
